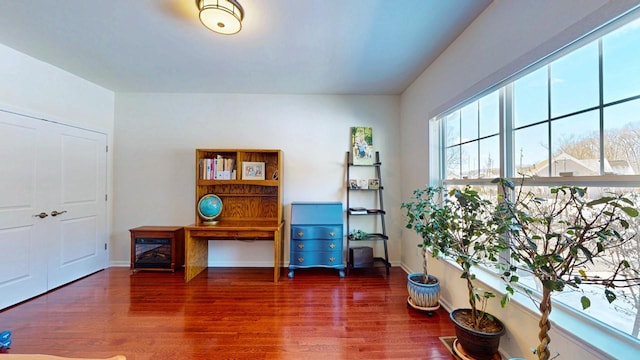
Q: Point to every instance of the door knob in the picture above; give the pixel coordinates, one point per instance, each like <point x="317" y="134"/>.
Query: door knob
<point x="42" y="215"/>
<point x="56" y="213"/>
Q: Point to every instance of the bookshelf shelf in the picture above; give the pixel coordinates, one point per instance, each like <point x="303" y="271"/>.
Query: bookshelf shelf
<point x="274" y="183"/>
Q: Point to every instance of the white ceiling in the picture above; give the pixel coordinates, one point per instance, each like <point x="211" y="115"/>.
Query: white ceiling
<point x="285" y="46"/>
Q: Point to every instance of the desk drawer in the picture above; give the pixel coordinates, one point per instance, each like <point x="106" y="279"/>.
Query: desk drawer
<point x="316" y="232"/>
<point x="320" y="258"/>
<point x="317" y="245"/>
<point x="232" y="234"/>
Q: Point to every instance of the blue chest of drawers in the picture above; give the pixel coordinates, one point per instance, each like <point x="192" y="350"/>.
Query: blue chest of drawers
<point x="316" y="236"/>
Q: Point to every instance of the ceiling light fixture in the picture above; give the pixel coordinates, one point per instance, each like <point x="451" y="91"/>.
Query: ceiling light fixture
<point x="222" y="16"/>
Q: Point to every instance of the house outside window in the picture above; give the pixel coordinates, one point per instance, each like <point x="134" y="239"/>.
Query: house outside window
<point x="573" y="119"/>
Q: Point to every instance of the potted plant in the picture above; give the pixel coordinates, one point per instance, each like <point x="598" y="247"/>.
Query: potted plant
<point x="421" y="214"/>
<point x="555" y="236"/>
<point x="461" y="225"/>
<point x="357" y="235"/>
<point x="471" y="233"/>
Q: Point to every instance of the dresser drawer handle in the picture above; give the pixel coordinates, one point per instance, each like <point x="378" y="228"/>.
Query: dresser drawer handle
<point x="300" y="259"/>
<point x="332" y="234"/>
<point x="332" y="259"/>
<point x="332" y="245"/>
<point x="300" y="246"/>
<point x="300" y="233"/>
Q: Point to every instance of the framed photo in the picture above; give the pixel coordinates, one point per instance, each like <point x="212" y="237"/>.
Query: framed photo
<point x="353" y="184"/>
<point x="374" y="184"/>
<point x="252" y="170"/>
<point x="362" y="146"/>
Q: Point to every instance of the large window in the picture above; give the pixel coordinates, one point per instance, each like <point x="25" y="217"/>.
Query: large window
<point x="472" y="139"/>
<point x="575" y="121"/>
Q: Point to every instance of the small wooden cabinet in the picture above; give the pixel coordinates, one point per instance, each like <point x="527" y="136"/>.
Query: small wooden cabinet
<point x="157" y="248"/>
<point x="316" y="236"/>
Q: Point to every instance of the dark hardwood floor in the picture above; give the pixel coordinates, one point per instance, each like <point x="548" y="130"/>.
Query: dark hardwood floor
<point x="227" y="313"/>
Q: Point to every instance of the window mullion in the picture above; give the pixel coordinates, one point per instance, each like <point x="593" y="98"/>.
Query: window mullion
<point x="549" y="155"/>
<point x="601" y="105"/>
<point x="506" y="132"/>
<point x="478" y="162"/>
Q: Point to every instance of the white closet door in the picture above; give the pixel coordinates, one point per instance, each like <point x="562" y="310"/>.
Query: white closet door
<point x="23" y="264"/>
<point x="59" y="171"/>
<point x="78" y="187"/>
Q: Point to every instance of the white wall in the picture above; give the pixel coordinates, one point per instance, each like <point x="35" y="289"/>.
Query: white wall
<point x="32" y="87"/>
<point x="508" y="36"/>
<point x="42" y="89"/>
<point x="156" y="136"/>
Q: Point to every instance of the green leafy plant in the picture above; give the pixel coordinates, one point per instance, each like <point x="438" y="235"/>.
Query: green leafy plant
<point x="422" y="214"/>
<point x="471" y="233"/>
<point x="358" y="235"/>
<point x="555" y="237"/>
<point x="458" y="224"/>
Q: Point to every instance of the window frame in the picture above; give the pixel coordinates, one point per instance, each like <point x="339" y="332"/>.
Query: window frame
<point x="438" y="167"/>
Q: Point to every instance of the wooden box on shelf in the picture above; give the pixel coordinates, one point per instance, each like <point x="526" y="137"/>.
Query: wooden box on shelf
<point x="361" y="256"/>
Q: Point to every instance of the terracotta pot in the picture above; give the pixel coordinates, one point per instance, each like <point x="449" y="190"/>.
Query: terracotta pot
<point x="479" y="344"/>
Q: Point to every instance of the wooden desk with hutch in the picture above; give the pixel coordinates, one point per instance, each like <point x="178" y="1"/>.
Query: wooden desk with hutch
<point x="251" y="209"/>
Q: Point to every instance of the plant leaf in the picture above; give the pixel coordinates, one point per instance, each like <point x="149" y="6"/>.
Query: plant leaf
<point x="610" y="295"/>
<point x="602" y="200"/>
<point x="585" y="302"/>
<point x="630" y="211"/>
<point x="583" y="274"/>
<point x="504" y="300"/>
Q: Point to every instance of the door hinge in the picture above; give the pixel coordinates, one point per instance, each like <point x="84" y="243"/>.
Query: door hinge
<point x="105" y="197"/>
<point x="106" y="148"/>
<point x="105" y="246"/>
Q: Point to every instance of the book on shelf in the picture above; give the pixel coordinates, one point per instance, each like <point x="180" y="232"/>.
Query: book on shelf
<point x="224" y="168"/>
<point x="357" y="210"/>
<point x="375" y="211"/>
<point x="218" y="168"/>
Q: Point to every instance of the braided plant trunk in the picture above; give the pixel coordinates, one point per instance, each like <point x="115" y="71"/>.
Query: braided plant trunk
<point x="472" y="303"/>
<point x="545" y="325"/>
<point x="425" y="271"/>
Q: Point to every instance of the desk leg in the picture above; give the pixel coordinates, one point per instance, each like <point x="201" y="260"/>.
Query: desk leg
<point x="196" y="256"/>
<point x="277" y="254"/>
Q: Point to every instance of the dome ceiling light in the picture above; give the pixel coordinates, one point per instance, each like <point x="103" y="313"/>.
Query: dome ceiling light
<point x="222" y="16"/>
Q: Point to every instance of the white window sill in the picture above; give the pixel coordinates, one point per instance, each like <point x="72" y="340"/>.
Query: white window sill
<point x="596" y="338"/>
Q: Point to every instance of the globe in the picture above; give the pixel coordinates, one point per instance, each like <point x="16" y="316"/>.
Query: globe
<point x="209" y="208"/>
